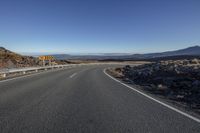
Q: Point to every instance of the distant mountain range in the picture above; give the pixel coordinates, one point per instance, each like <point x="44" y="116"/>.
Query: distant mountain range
<point x="11" y="59"/>
<point x="190" y="51"/>
<point x="195" y="50"/>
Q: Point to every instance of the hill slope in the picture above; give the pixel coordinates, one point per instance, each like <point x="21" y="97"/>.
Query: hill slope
<point x="195" y="50"/>
<point x="9" y="59"/>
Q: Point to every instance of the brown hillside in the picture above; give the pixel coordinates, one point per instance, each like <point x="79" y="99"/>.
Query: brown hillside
<point x="9" y="59"/>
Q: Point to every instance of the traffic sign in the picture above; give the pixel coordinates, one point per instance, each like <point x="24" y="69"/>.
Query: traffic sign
<point x="46" y="58"/>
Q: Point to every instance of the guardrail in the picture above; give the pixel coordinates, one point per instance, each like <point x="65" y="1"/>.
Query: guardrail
<point x="5" y="72"/>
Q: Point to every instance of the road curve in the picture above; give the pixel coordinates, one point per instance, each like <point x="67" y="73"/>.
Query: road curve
<point x="83" y="100"/>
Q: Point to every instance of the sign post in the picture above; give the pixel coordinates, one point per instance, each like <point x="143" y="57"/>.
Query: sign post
<point x="46" y="58"/>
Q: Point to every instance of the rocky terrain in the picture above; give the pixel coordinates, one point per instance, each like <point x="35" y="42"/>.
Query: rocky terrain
<point x="9" y="59"/>
<point x="177" y="80"/>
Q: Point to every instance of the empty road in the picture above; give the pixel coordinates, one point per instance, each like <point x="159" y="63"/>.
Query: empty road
<point x="83" y="100"/>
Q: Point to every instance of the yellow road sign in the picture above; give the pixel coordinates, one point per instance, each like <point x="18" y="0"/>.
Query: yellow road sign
<point x="46" y="58"/>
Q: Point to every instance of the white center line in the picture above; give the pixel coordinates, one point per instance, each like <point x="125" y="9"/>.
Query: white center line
<point x="73" y="75"/>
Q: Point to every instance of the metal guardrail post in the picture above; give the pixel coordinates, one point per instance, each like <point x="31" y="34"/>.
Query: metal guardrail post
<point x="4" y="75"/>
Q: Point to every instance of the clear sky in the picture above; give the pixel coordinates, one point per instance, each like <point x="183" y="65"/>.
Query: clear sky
<point x="99" y="26"/>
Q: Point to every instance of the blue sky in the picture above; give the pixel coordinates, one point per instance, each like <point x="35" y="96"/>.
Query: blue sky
<point x="99" y="26"/>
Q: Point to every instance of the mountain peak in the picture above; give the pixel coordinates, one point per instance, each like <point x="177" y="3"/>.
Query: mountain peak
<point x="2" y="48"/>
<point x="196" y="46"/>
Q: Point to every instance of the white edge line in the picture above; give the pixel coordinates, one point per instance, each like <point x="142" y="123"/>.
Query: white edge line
<point x="164" y="104"/>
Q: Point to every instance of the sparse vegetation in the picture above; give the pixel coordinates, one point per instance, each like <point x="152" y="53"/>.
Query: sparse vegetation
<point x="10" y="59"/>
<point x="177" y="80"/>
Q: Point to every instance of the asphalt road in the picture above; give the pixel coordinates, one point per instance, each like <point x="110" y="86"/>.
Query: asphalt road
<point x="83" y="100"/>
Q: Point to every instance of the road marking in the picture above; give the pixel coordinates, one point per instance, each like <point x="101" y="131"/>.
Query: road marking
<point x="164" y="104"/>
<point x="73" y="75"/>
